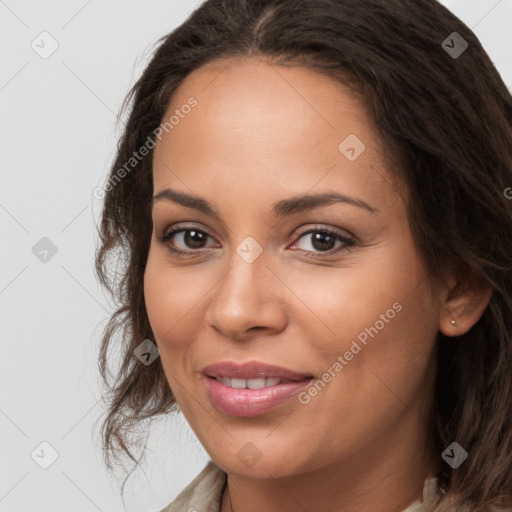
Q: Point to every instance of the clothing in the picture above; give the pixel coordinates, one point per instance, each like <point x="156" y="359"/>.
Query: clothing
<point x="204" y="493"/>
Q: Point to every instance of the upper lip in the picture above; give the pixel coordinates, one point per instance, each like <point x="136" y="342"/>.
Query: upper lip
<point x="251" y="370"/>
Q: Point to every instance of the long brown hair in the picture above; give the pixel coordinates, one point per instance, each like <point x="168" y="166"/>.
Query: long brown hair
<point x="445" y="120"/>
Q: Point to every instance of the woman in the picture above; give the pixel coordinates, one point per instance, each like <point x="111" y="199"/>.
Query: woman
<point x="311" y="200"/>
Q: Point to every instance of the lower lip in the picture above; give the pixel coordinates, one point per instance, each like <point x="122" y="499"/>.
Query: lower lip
<point x="251" y="402"/>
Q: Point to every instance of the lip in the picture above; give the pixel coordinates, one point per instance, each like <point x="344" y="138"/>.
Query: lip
<point x="252" y="370"/>
<point x="251" y="402"/>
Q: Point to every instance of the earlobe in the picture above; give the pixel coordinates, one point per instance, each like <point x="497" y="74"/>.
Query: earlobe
<point x="463" y="305"/>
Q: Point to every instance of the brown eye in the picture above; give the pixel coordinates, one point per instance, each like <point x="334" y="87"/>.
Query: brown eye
<point x="185" y="240"/>
<point x="321" y="240"/>
<point x="194" y="239"/>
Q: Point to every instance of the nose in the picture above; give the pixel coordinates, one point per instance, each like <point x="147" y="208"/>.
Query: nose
<point x="247" y="300"/>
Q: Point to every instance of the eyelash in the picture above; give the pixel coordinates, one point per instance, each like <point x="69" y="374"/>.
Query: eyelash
<point x="348" y="243"/>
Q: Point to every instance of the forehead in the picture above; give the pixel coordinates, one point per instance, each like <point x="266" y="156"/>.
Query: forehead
<point x="267" y="127"/>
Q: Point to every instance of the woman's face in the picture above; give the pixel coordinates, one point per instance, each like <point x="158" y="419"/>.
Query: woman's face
<point x="262" y="281"/>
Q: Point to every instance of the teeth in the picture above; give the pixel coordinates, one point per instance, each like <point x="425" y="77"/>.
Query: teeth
<point x="238" y="383"/>
<point x="249" y="383"/>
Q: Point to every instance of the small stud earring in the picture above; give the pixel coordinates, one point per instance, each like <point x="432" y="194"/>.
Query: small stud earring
<point x="453" y="323"/>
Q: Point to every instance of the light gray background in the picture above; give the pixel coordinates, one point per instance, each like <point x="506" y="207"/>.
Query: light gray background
<point x="58" y="134"/>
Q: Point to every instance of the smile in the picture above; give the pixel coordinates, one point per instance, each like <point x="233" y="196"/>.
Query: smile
<point x="251" y="383"/>
<point x="251" y="397"/>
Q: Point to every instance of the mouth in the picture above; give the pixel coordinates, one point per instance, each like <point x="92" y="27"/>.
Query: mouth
<point x="254" y="383"/>
<point x="254" y="371"/>
<point x="253" y="388"/>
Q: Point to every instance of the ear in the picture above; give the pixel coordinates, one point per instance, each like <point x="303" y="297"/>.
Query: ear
<point x="464" y="302"/>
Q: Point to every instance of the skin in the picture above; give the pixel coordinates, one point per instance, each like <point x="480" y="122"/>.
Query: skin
<point x="259" y="134"/>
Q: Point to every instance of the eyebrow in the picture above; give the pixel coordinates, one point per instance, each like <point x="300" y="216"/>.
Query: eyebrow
<point x="283" y="208"/>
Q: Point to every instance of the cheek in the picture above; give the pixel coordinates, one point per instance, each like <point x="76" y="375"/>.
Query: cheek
<point x="337" y="304"/>
<point x="382" y="299"/>
<point x="170" y="295"/>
